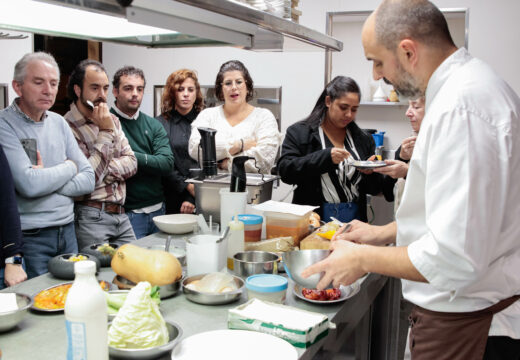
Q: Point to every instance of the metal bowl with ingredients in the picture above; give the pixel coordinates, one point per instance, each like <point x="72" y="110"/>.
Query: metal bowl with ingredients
<point x="296" y="261"/>
<point x="103" y="252"/>
<point x="209" y="298"/>
<point x="175" y="334"/>
<point x="62" y="266"/>
<point x="249" y="263"/>
<point x="165" y="291"/>
<point x="9" y="319"/>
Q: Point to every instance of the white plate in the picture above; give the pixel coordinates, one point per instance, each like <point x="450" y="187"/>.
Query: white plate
<point x="346" y="292"/>
<point x="368" y="164"/>
<point x="175" y="223"/>
<point x="234" y="345"/>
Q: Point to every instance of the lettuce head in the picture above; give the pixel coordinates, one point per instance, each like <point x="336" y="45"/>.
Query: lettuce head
<point x="138" y="324"/>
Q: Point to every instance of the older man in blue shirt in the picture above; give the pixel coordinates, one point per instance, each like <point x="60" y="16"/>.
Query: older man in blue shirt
<point x="48" y="167"/>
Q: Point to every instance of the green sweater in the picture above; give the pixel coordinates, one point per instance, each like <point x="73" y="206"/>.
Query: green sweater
<point x="151" y="146"/>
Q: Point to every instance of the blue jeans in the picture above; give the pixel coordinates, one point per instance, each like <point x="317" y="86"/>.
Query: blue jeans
<point x="143" y="224"/>
<point x="41" y="245"/>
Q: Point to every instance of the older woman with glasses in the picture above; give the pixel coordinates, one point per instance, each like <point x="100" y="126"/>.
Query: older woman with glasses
<point x="242" y="129"/>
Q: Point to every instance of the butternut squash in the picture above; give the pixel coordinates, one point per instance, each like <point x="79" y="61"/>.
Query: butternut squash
<point x="138" y="264"/>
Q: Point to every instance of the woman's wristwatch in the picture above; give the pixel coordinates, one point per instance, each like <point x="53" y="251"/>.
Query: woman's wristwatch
<point x="17" y="260"/>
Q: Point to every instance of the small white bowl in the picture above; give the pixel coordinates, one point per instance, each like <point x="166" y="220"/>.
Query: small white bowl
<point x="175" y="223"/>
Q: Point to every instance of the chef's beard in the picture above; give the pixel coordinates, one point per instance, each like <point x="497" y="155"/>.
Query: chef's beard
<point x="405" y="84"/>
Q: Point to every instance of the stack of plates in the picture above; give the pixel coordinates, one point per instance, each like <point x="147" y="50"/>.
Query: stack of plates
<point x="281" y="8"/>
<point x="258" y="4"/>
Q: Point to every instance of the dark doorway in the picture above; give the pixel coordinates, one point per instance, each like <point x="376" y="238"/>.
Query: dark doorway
<point x="68" y="53"/>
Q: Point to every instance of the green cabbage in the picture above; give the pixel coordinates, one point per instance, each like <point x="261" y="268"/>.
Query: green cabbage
<point x="138" y="324"/>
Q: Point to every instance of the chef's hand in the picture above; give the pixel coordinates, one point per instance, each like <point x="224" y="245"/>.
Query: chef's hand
<point x="14" y="274"/>
<point x="395" y="169"/>
<point x="362" y="233"/>
<point x="338" y="155"/>
<point x="341" y="267"/>
<point x="187" y="208"/>
<point x="407" y="148"/>
<point x="101" y="117"/>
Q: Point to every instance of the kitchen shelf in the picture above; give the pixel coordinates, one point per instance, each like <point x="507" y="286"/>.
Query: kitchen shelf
<point x="205" y="22"/>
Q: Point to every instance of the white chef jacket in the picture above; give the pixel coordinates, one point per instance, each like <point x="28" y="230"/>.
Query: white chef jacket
<point x="461" y="203"/>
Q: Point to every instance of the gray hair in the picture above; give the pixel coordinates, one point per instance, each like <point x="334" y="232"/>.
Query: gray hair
<point x="20" y="69"/>
<point x="420" y="20"/>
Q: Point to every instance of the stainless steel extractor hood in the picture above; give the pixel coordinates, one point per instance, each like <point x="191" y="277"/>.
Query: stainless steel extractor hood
<point x="166" y="23"/>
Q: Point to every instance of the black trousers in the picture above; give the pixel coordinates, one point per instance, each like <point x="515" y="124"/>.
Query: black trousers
<point x="502" y="348"/>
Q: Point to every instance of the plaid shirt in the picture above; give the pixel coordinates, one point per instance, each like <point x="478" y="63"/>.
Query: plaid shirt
<point x="109" y="154"/>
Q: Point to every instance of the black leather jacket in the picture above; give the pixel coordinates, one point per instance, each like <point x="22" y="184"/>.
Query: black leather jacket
<point x="303" y="160"/>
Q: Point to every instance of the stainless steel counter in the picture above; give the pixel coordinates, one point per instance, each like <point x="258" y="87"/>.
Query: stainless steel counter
<point x="43" y="336"/>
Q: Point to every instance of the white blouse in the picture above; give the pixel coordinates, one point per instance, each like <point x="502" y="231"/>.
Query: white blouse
<point x="461" y="203"/>
<point x="260" y="125"/>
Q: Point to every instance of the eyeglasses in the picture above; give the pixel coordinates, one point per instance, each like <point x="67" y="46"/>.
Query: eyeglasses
<point x="229" y="83"/>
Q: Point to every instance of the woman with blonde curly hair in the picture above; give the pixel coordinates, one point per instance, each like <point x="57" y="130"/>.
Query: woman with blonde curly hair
<point x="180" y="104"/>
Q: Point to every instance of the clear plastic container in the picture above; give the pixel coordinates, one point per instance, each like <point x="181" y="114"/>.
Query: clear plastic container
<point x="267" y="287"/>
<point x="281" y="224"/>
<point x="252" y="227"/>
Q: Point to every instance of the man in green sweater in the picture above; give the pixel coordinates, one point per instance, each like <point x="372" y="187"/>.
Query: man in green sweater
<point x="148" y="140"/>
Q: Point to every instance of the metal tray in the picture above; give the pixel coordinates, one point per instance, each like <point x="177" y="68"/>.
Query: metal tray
<point x="369" y="164"/>
<point x="212" y="298"/>
<point x="108" y="287"/>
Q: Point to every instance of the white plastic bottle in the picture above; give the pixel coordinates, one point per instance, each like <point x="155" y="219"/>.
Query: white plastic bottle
<point x="235" y="242"/>
<point x="86" y="315"/>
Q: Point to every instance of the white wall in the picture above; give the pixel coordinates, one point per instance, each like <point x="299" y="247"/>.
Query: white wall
<point x="12" y="51"/>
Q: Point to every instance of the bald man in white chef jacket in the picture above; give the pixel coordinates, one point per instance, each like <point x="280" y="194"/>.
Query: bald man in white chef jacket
<point x="458" y="242"/>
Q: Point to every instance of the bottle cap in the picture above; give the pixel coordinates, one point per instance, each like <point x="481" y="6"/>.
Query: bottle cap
<point x="85" y="267"/>
<point x="266" y="283"/>
<point x="250" y="219"/>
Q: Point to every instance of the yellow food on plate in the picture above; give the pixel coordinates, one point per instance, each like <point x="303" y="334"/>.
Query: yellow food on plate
<point x="54" y="298"/>
<point x="77" y="258"/>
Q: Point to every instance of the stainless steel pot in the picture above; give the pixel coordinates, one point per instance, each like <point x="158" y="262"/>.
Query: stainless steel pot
<point x="249" y="263"/>
<point x="207" y="198"/>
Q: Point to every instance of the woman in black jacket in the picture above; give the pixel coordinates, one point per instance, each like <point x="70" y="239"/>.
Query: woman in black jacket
<point x="180" y="104"/>
<point x="317" y="153"/>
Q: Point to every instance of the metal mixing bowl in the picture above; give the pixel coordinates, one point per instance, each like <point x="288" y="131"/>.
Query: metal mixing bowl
<point x="178" y="252"/>
<point x="249" y="263"/>
<point x="212" y="298"/>
<point x="175" y="334"/>
<point x="296" y="261"/>
<point x="10" y="319"/>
